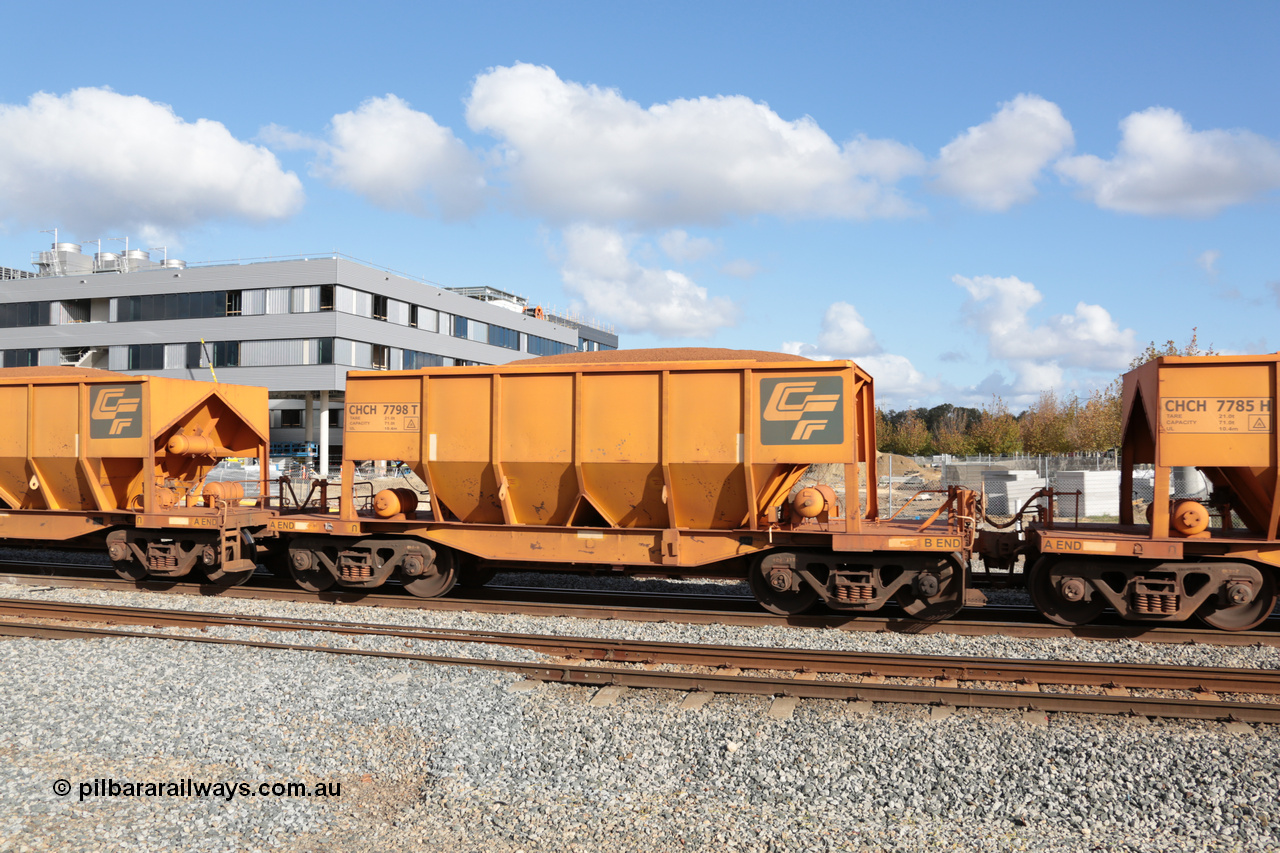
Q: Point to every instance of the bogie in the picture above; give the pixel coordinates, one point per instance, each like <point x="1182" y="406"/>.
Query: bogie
<point x="1230" y="595"/>
<point x="926" y="586"/>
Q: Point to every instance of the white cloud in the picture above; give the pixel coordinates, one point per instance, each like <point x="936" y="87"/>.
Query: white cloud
<point x="94" y="160"/>
<point x="574" y="152"/>
<point x="995" y="165"/>
<point x="740" y="268"/>
<point x="1208" y="261"/>
<point x="999" y="309"/>
<point x="1164" y="168"/>
<point x="682" y="248"/>
<point x="844" y="334"/>
<point x="897" y="379"/>
<point x="397" y="157"/>
<point x="598" y="268"/>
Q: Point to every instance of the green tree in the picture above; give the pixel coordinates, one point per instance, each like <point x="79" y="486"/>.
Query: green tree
<point x="913" y="437"/>
<point x="951" y="434"/>
<point x="886" y="433"/>
<point x="1192" y="347"/>
<point x="1097" y="423"/>
<point x="1047" y="425"/>
<point x="996" y="431"/>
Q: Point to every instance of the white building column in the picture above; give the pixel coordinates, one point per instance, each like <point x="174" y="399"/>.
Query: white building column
<point x="308" y="425"/>
<point x="324" y="434"/>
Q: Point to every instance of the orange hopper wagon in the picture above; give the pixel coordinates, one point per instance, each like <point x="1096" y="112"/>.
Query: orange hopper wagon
<point x="682" y="461"/>
<point x="92" y="458"/>
<point x="1216" y="559"/>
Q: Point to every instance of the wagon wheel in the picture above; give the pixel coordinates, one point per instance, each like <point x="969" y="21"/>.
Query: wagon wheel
<point x="785" y="602"/>
<point x="944" y="603"/>
<point x="437" y="578"/>
<point x="307" y="571"/>
<point x="1047" y="596"/>
<point x="130" y="570"/>
<point x="1241" y="617"/>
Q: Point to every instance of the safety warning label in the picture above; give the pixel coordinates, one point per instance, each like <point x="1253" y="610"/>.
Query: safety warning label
<point x="1216" y="414"/>
<point x="383" y="417"/>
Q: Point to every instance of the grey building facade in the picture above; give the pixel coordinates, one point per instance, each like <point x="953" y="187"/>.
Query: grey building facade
<point x="294" y="326"/>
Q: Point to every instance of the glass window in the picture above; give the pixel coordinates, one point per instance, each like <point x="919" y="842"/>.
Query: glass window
<point x="459" y="327"/>
<point x="146" y="357"/>
<point x="414" y="360"/>
<point x="226" y="353"/>
<point x="503" y="337"/>
<point x="426" y="319"/>
<point x="15" y="314"/>
<point x="545" y="346"/>
<point x="21" y="357"/>
<point x="213" y="303"/>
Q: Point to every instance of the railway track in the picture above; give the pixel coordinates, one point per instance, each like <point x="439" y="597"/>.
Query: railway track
<point x="948" y="682"/>
<point x="654" y="607"/>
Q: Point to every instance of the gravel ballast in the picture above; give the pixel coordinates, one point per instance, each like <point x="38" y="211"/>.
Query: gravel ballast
<point x="471" y="760"/>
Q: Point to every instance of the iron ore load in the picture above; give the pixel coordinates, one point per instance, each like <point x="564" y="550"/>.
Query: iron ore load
<point x="684" y="462"/>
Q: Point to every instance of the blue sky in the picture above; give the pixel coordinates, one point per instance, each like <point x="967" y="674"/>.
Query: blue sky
<point x="967" y="199"/>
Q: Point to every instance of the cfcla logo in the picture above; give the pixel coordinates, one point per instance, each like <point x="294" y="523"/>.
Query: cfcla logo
<point x="114" y="413"/>
<point x="787" y="413"/>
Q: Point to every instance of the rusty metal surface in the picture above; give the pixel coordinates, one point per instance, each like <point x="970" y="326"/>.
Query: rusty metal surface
<point x="744" y="684"/>
<point x="1144" y="676"/>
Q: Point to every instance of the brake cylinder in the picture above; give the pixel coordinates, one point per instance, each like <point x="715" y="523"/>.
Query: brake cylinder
<point x="1189" y="518"/>
<point x="192" y="445"/>
<point x="223" y="491"/>
<point x="391" y="502"/>
<point x="1186" y="517"/>
<point x="808" y="503"/>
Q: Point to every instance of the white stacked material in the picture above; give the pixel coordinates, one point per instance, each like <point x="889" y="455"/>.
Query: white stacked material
<point x="1184" y="482"/>
<point x="1100" y="493"/>
<point x="1007" y="491"/>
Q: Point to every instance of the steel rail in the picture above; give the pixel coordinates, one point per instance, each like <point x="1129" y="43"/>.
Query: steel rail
<point x="873" y="623"/>
<point x="1135" y="676"/>
<point x="741" y="684"/>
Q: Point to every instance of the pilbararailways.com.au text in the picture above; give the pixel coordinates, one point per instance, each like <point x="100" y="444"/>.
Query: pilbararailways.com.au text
<point x="191" y="788"/>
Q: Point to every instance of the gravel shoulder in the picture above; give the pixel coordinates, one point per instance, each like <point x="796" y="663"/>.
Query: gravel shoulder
<point x="467" y="759"/>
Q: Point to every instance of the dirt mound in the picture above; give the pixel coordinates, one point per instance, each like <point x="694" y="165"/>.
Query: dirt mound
<point x="902" y="465"/>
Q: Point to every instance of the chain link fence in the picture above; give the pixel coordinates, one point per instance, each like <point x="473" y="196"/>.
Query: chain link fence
<point x="1087" y="486"/>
